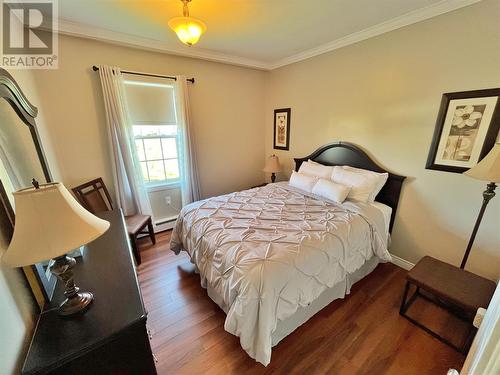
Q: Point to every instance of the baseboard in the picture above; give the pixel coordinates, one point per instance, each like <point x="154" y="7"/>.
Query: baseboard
<point x="400" y="262"/>
<point x="161" y="226"/>
<point x="164" y="226"/>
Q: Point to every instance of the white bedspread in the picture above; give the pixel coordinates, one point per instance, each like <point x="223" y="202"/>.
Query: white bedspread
<point x="267" y="251"/>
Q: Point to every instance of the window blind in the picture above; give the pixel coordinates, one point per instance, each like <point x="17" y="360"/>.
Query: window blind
<point x="150" y="102"/>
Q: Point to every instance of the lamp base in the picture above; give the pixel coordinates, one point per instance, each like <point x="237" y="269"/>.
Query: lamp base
<point x="75" y="301"/>
<point x="76" y="304"/>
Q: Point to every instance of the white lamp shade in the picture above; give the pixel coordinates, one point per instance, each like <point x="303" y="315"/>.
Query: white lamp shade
<point x="272" y="165"/>
<point x="487" y="169"/>
<point x="49" y="223"/>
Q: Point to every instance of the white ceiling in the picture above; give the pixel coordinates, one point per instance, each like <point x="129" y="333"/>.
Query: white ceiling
<point x="260" y="33"/>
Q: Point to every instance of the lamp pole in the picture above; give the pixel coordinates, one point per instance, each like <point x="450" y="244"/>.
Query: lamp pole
<point x="487" y="195"/>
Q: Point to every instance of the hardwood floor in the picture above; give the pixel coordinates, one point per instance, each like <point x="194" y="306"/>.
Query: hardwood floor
<point x="362" y="334"/>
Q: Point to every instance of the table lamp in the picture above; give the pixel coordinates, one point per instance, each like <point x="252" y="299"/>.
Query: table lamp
<point x="272" y="166"/>
<point x="487" y="169"/>
<point x="49" y="224"/>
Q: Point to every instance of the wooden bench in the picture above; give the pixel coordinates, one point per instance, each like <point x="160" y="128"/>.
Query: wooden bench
<point x="458" y="291"/>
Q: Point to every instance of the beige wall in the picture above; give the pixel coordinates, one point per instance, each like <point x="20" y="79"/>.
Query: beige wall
<point x="161" y="209"/>
<point x="17" y="308"/>
<point x="227" y="107"/>
<point x="384" y="94"/>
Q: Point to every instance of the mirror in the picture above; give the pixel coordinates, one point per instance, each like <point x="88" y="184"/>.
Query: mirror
<point x="21" y="160"/>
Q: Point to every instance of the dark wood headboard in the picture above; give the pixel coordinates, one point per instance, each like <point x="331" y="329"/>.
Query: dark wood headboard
<point x="344" y="153"/>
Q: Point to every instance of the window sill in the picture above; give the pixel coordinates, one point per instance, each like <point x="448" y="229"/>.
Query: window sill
<point x="163" y="186"/>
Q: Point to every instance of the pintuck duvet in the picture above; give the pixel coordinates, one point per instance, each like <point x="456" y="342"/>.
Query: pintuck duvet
<point x="267" y="251"/>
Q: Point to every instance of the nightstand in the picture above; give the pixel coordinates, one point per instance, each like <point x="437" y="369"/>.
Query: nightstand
<point x="457" y="291"/>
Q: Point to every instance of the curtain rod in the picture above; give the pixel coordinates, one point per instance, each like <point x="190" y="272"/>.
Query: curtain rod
<point x="95" y="69"/>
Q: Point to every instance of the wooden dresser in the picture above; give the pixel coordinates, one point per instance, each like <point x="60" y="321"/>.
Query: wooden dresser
<point x="111" y="337"/>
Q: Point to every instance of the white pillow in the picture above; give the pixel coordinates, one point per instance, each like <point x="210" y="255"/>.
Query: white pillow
<point x="331" y="190"/>
<point x="302" y="181"/>
<point x="312" y="168"/>
<point x="382" y="179"/>
<point x="362" y="185"/>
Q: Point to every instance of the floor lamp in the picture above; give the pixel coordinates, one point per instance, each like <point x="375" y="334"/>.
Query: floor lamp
<point x="487" y="169"/>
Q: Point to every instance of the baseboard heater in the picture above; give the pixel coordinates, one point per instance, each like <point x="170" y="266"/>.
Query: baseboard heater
<point x="166" y="221"/>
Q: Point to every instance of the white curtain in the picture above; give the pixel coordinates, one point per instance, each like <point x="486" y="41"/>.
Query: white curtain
<point x="131" y="194"/>
<point x="190" y="187"/>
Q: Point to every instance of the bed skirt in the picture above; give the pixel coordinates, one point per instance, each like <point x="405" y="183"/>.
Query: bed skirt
<point x="303" y="314"/>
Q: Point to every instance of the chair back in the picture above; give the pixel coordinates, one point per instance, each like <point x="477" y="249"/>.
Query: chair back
<point x="94" y="196"/>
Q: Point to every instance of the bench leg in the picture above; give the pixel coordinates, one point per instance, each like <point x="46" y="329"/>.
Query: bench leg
<point x="151" y="232"/>
<point x="135" y="249"/>
<point x="404" y="306"/>
<point x="470" y="337"/>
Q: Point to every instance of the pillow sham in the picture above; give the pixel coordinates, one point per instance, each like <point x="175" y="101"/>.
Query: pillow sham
<point x="312" y="168"/>
<point x="362" y="185"/>
<point x="302" y="181"/>
<point x="382" y="179"/>
<point x="331" y="190"/>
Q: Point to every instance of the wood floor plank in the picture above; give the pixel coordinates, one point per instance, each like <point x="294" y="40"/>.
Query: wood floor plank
<point x="362" y="334"/>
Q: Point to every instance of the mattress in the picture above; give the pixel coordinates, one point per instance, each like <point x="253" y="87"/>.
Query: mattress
<point x="387" y="213"/>
<point x="265" y="253"/>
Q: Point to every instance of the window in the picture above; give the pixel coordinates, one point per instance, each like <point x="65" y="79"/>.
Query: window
<point x="154" y="121"/>
<point x="157" y="150"/>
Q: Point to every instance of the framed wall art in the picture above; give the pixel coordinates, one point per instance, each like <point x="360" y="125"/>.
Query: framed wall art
<point x="466" y="129"/>
<point x="282" y="129"/>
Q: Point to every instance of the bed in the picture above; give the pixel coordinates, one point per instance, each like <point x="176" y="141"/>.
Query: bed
<point x="273" y="256"/>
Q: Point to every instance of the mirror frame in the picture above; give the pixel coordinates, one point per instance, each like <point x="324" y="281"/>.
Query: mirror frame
<point x="27" y="112"/>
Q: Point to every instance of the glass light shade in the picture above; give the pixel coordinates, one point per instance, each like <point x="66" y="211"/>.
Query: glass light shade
<point x="487" y="169"/>
<point x="188" y="29"/>
<point x="49" y="223"/>
<point x="272" y="165"/>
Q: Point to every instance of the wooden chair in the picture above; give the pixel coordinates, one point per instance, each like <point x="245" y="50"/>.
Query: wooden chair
<point x="94" y="196"/>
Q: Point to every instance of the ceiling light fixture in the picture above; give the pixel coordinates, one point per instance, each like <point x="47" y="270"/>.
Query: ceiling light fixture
<point x="188" y="29"/>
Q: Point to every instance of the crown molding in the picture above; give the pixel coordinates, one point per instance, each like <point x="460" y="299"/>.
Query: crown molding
<point x="71" y="28"/>
<point x="124" y="39"/>
<point x="422" y="14"/>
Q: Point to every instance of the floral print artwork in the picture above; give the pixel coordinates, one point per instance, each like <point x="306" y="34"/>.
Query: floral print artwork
<point x="463" y="132"/>
<point x="281" y="130"/>
<point x="467" y="126"/>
